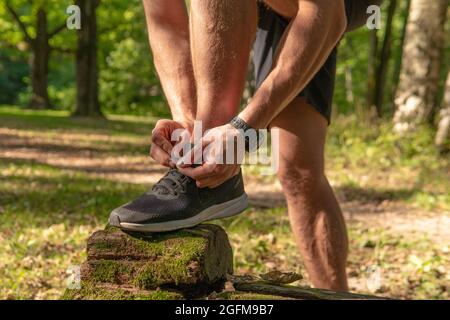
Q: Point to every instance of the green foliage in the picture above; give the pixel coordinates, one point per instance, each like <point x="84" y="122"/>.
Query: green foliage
<point x="353" y="59"/>
<point x="13" y="70"/>
<point x="15" y="50"/>
<point x="56" y="15"/>
<point x="127" y="84"/>
<point x="128" y="81"/>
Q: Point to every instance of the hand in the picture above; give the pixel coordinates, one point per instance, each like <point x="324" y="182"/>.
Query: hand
<point x="162" y="145"/>
<point x="216" y="167"/>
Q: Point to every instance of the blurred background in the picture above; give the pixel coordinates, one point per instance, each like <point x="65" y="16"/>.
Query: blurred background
<point x="77" y="109"/>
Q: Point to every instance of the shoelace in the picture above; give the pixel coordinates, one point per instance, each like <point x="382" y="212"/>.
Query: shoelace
<point x="172" y="183"/>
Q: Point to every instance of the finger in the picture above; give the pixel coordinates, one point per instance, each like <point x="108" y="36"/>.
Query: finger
<point x="194" y="156"/>
<point x="204" y="171"/>
<point x="159" y="140"/>
<point x="160" y="156"/>
<point x="210" y="182"/>
<point x="215" y="180"/>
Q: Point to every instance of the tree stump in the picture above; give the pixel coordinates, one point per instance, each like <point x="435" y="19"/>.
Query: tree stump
<point x="186" y="263"/>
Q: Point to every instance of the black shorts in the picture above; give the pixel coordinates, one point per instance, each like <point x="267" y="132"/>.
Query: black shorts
<point x="271" y="26"/>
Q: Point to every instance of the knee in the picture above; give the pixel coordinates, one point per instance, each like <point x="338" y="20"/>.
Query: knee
<point x="300" y="180"/>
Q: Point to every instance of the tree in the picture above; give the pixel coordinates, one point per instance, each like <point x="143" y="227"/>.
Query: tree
<point x="422" y="54"/>
<point x="39" y="45"/>
<point x="87" y="103"/>
<point x="384" y="56"/>
<point x="128" y="80"/>
<point x="398" y="56"/>
<point x="371" y="69"/>
<point x="378" y="61"/>
<point x="443" y="133"/>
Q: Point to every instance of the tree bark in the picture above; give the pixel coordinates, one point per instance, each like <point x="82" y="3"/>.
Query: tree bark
<point x="39" y="63"/>
<point x="87" y="104"/>
<point x="40" y="54"/>
<point x="380" y="77"/>
<point x="443" y="133"/>
<point x="296" y="292"/>
<point x="398" y="58"/>
<point x="422" y="55"/>
<point x="371" y="70"/>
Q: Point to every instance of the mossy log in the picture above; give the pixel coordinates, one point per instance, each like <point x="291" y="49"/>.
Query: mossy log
<point x="192" y="261"/>
<point x="99" y="291"/>
<point x="295" y="292"/>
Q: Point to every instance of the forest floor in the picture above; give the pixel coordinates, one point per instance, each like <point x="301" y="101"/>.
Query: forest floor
<point x="60" y="177"/>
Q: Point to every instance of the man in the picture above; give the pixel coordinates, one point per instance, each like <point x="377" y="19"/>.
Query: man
<point x="202" y="59"/>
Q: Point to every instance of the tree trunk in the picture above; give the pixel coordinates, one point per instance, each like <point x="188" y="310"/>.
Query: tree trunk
<point x="39" y="63"/>
<point x="422" y="55"/>
<point x="398" y="58"/>
<point x="380" y="78"/>
<point x="372" y="64"/>
<point x="443" y="134"/>
<point x="87" y="104"/>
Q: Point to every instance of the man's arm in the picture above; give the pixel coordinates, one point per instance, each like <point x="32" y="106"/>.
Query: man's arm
<point x="309" y="40"/>
<point x="168" y="30"/>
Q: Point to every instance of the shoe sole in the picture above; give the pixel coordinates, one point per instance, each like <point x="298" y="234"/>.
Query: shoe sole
<point x="219" y="211"/>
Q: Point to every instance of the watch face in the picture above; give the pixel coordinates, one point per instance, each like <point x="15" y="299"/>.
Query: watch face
<point x="251" y="145"/>
<point x="238" y="123"/>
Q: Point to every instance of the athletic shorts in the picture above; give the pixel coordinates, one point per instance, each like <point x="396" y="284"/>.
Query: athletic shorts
<point x="271" y="27"/>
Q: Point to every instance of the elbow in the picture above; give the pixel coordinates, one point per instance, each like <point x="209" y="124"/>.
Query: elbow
<point x="339" y="21"/>
<point x="339" y="29"/>
<point x="331" y="15"/>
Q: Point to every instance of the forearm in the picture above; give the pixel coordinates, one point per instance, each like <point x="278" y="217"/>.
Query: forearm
<point x="307" y="43"/>
<point x="168" y="29"/>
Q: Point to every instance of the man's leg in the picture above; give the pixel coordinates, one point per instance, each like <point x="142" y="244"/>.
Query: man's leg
<point x="222" y="33"/>
<point x="314" y="212"/>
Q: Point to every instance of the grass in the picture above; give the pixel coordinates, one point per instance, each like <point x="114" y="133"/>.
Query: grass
<point x="49" y="208"/>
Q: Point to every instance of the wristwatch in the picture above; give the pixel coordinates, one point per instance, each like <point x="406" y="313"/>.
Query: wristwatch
<point x="253" y="138"/>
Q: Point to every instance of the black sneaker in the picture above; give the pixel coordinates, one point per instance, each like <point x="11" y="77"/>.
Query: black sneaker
<point x="176" y="202"/>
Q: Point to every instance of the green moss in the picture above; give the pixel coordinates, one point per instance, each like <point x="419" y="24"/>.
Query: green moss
<point x="109" y="227"/>
<point x="90" y="291"/>
<point x="159" y="295"/>
<point x="102" y="245"/>
<point x="174" y="266"/>
<point x="162" y="272"/>
<point x="174" y="253"/>
<point x="179" y="244"/>
<point x="174" y="256"/>
<point x="108" y="271"/>
<point x="183" y="243"/>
